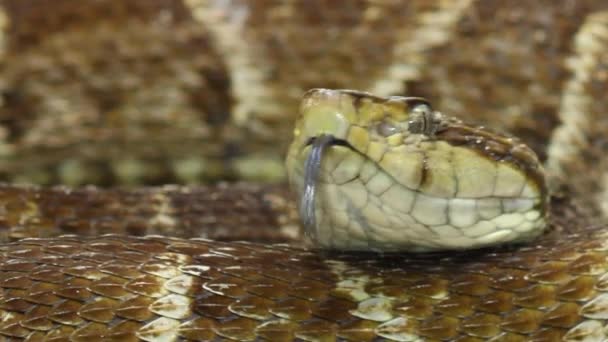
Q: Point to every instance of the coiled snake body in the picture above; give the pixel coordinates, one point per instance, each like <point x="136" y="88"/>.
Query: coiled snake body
<point x="160" y="91"/>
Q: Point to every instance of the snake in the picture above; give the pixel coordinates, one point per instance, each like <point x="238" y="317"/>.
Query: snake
<point x="398" y="163"/>
<point x="325" y="214"/>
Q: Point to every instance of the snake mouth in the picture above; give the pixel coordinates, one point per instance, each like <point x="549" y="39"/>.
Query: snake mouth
<point x="312" y="167"/>
<point x="333" y="141"/>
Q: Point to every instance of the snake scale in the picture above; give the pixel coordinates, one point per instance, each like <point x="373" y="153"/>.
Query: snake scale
<point x="149" y="92"/>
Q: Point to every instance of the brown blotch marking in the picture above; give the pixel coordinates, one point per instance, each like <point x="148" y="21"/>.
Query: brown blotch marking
<point x="201" y="329"/>
<point x="538" y="296"/>
<point x="63" y="333"/>
<point x="482" y="325"/>
<point x="578" y="289"/>
<point x="188" y="248"/>
<point x="89" y="272"/>
<point x="228" y="286"/>
<point x="65" y="15"/>
<point x="37" y="318"/>
<point x="317" y="329"/>
<point x="16" y="281"/>
<point x="565" y="315"/>
<point x="147" y="246"/>
<point x="334" y="309"/>
<point x="111" y="286"/>
<point x="19" y="266"/>
<point x="268" y="288"/>
<point x="101" y="310"/>
<point x="293" y="309"/>
<point x="359" y="96"/>
<point x="43" y="293"/>
<point x="520" y="261"/>
<point x="67" y="313"/>
<point x="75" y="288"/>
<point x="457" y="306"/>
<point x="24" y="251"/>
<point x="358" y="330"/>
<point x="431" y="287"/>
<point x="49" y="273"/>
<point x="548" y="335"/>
<point x="122" y="268"/>
<point x="497" y="302"/>
<point x="147" y="285"/>
<point x="136" y="309"/>
<point x="509" y="279"/>
<point x="497" y="147"/>
<point x="442" y="328"/>
<point x="522" y="321"/>
<point x="551" y="272"/>
<point x="213" y="306"/>
<point x="252" y="307"/>
<point x="471" y="284"/>
<point x="16" y="303"/>
<point x="592" y="263"/>
<point x="10" y="326"/>
<point x="237" y="328"/>
<point x="417" y="307"/>
<point x="308" y="289"/>
<point x="278" y="330"/>
<point x="425" y="175"/>
<point x="90" y="332"/>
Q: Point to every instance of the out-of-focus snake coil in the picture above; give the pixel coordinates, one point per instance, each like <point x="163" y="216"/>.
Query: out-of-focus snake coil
<point x="148" y="92"/>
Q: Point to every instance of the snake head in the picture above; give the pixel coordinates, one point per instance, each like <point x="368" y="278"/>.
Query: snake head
<point x="393" y="174"/>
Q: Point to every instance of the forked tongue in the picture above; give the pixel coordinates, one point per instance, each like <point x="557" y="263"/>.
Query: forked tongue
<point x="312" y="169"/>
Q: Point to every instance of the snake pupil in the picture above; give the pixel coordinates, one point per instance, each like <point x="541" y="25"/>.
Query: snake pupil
<point x="424" y="120"/>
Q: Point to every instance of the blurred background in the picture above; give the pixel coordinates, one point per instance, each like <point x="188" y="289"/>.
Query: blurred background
<point x="168" y="91"/>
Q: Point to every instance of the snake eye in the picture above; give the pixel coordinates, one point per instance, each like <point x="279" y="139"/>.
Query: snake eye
<point x="422" y="109"/>
<point x="424" y="120"/>
<point x="386" y="129"/>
